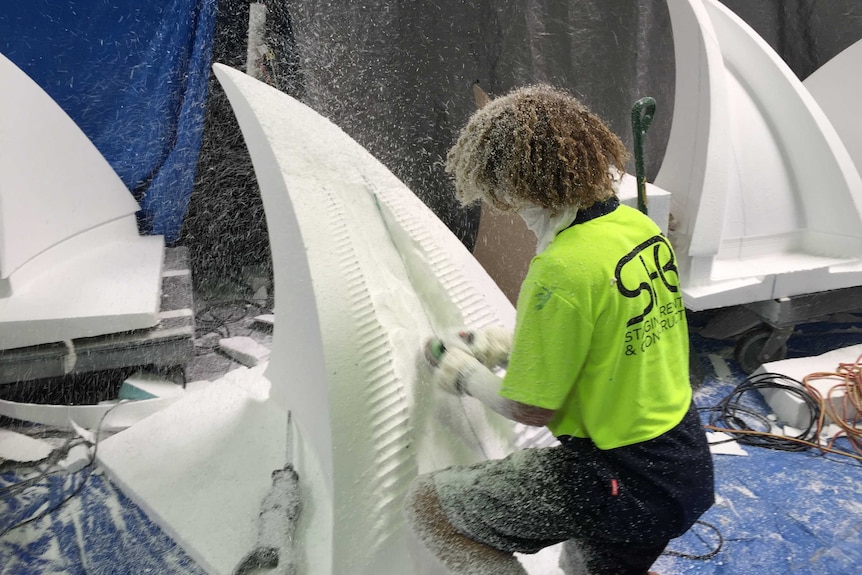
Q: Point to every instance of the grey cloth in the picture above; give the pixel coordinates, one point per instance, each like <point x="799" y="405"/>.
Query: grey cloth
<point x="396" y="76"/>
<point x="633" y="498"/>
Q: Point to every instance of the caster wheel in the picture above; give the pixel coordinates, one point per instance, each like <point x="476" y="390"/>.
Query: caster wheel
<point x="749" y="350"/>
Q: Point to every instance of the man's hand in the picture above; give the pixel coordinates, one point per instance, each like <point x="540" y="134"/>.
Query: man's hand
<point x="449" y="366"/>
<point x="491" y="345"/>
<point x="456" y="371"/>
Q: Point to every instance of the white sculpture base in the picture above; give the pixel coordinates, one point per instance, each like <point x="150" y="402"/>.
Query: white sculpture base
<point x="105" y="281"/>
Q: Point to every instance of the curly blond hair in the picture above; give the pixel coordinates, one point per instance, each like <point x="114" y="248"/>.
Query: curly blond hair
<point x="537" y="145"/>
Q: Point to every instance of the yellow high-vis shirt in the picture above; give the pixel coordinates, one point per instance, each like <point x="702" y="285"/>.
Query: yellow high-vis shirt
<point x="601" y="334"/>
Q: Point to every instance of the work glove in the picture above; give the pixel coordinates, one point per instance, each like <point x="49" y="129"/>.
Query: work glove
<point x="450" y="367"/>
<point x="456" y="371"/>
<point x="490" y="345"/>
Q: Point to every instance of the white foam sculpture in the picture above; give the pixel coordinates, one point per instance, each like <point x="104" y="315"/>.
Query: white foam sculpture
<point x="766" y="200"/>
<point x="364" y="274"/>
<point x="72" y="263"/>
<point x="836" y="87"/>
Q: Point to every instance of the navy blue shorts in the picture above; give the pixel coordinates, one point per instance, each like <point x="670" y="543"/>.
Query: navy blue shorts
<point x="619" y="506"/>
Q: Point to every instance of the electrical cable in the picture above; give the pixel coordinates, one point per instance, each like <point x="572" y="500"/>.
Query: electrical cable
<point x="78" y="488"/>
<point x="61" y="452"/>
<point x="847" y="418"/>
<point x="706" y="556"/>
<point x="731" y="416"/>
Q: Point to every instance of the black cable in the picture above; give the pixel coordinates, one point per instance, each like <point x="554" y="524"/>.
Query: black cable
<point x="732" y="415"/>
<point x="62" y="451"/>
<point x="89" y="467"/>
<point x="217" y="319"/>
<point x="704" y="556"/>
<point x="221" y="314"/>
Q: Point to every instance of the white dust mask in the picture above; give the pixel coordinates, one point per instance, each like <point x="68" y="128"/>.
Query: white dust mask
<point x="546" y="228"/>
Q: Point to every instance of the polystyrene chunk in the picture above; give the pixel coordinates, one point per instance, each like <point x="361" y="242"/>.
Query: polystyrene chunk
<point x="244" y="350"/>
<point x="201" y="467"/>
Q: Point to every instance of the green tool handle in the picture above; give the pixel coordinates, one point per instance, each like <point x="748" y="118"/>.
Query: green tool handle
<point x="642" y="115"/>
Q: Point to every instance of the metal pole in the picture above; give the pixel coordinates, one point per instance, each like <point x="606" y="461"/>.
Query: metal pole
<point x="642" y="115"/>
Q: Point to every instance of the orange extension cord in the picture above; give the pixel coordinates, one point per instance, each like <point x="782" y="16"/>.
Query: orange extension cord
<point x="847" y="416"/>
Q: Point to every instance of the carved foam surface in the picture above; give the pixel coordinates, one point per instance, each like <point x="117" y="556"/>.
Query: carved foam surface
<point x="385" y="274"/>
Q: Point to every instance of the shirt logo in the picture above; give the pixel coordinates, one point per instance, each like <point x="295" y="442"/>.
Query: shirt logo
<point x="649" y="273"/>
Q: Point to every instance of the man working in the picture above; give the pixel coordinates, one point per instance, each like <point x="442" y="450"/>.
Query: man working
<point x="599" y="355"/>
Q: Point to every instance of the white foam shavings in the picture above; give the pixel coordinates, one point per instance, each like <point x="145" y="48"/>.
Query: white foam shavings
<point x="79" y="456"/>
<point x="84" y="434"/>
<point x="108" y="416"/>
<point x="721" y="443"/>
<point x="266" y="318"/>
<point x="245" y="350"/>
<point x="19" y="447"/>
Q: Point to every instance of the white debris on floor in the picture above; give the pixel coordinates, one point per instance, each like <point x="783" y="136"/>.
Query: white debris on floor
<point x="19" y="447"/>
<point x="245" y="350"/>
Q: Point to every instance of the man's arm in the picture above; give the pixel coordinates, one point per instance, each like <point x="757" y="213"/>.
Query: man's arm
<point x="530" y="414"/>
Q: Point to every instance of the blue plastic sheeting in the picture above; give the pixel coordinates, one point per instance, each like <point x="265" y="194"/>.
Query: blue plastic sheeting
<point x="777" y="512"/>
<point x="96" y="530"/>
<point x="134" y="76"/>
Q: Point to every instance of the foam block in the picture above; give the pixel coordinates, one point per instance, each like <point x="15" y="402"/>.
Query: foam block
<point x="244" y="350"/>
<point x="791" y="410"/>
<point x="201" y="467"/>
<point x="144" y="385"/>
<point x="19" y="447"/>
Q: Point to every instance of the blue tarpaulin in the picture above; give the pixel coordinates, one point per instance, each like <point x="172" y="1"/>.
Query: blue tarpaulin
<point x="134" y="76"/>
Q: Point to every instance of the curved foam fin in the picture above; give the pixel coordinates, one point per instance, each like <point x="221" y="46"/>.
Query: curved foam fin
<point x="364" y="274"/>
<point x="836" y="86"/>
<point x="54" y="183"/>
<point x="72" y="264"/>
<point x="765" y="196"/>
